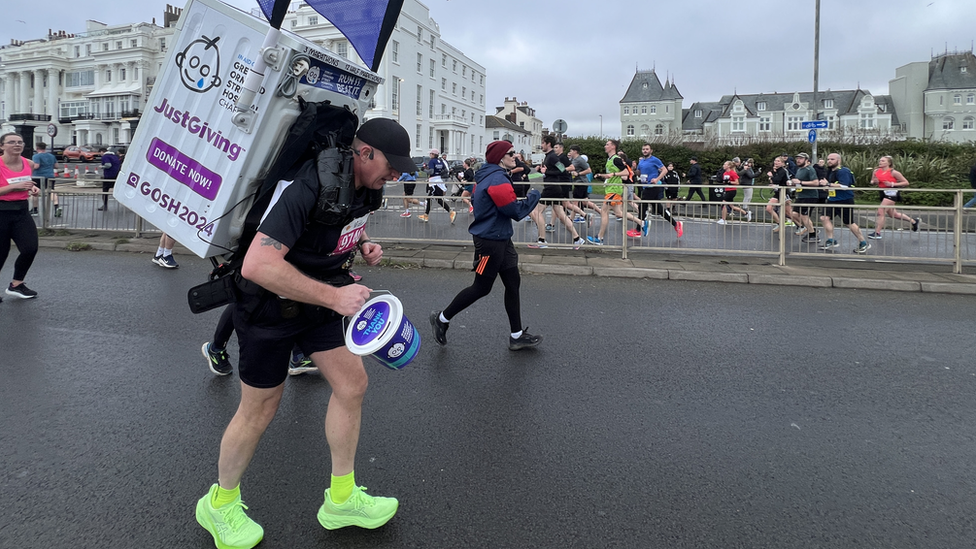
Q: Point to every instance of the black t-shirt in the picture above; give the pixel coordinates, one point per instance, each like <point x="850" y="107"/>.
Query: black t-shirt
<point x="314" y="248"/>
<point x="553" y="173"/>
<point x="520" y="176"/>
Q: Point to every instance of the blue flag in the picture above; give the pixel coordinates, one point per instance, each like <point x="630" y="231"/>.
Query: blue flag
<point x="367" y="24"/>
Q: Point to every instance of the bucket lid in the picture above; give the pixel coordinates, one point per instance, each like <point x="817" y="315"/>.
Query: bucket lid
<point x="373" y="326"/>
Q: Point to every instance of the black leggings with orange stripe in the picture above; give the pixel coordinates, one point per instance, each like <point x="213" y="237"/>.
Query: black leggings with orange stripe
<point x="493" y="258"/>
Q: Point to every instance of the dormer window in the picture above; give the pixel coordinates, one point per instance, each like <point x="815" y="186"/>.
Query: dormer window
<point x="828" y="103"/>
<point x="962" y="69"/>
<point x="644" y="85"/>
<point x="698" y="113"/>
<point x="761" y="106"/>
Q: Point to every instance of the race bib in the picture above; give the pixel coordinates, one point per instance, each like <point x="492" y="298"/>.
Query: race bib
<point x="891" y="194"/>
<point x="831" y="193"/>
<point x="20" y="179"/>
<point x="350" y="235"/>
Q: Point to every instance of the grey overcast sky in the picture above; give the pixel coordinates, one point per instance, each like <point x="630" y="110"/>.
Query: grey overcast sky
<point x="574" y="59"/>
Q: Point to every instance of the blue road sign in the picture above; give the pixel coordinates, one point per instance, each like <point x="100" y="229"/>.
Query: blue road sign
<point x="814" y="125"/>
<point x="813" y="136"/>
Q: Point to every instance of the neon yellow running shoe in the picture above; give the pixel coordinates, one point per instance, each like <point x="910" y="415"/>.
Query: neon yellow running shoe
<point x="361" y="509"/>
<point x="229" y="526"/>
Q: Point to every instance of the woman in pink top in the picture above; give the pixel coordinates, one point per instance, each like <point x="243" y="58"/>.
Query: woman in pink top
<point x="16" y="224"/>
<point x="888" y="179"/>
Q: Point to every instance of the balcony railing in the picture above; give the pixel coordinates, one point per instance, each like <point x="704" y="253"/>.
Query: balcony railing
<point x="30" y="117"/>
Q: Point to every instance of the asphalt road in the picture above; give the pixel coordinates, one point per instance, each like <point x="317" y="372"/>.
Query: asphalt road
<point x="655" y="414"/>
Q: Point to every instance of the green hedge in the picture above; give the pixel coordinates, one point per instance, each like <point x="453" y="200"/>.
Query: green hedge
<point x="926" y="165"/>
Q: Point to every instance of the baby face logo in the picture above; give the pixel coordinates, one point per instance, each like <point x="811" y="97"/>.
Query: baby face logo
<point x="199" y="64"/>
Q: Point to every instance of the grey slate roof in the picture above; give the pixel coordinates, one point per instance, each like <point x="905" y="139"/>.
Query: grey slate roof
<point x="646" y="87"/>
<point x="498" y="122"/>
<point x="945" y="71"/>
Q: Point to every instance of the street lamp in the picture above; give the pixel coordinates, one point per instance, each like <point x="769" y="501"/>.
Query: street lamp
<point x="601" y="125"/>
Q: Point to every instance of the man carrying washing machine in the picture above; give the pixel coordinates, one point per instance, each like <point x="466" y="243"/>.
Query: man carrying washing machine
<point x="295" y="288"/>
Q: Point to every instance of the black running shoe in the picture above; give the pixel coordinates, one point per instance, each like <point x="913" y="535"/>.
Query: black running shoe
<point x="217" y="361"/>
<point x="440" y="328"/>
<point x="21" y="292"/>
<point x="523" y="341"/>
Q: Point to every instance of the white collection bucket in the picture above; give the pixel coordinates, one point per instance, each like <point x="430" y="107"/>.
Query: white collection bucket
<point x="380" y="329"/>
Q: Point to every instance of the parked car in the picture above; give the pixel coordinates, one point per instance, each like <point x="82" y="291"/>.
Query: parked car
<point x="80" y="154"/>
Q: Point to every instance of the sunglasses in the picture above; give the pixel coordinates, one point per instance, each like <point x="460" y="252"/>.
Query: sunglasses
<point x="510" y="153"/>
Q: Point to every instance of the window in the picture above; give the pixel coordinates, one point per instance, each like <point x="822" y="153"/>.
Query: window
<point x="867" y="121"/>
<point x="118" y="44"/>
<point x="495" y="135"/>
<point x="653" y="109"/>
<point x="831" y="122"/>
<point x="957" y="99"/>
<point x="643" y="109"/>
<point x="108" y="76"/>
<point x="432" y="42"/>
<point x="644" y="130"/>
<point x="970" y="99"/>
<point x="630" y="131"/>
<point x="420" y="63"/>
<point x="395" y="52"/>
<point x="454" y="88"/>
<point x="77" y="51"/>
<point x="443" y="84"/>
<point x="444" y="60"/>
<point x="416" y="138"/>
<point x="761" y="106"/>
<point x="162" y="46"/>
<point x="963" y="69"/>
<point x="134" y="43"/>
<point x="828" y="103"/>
<point x="430" y="131"/>
<point x="430" y="107"/>
<point x="947" y="123"/>
<point x="454" y="65"/>
<point x="342" y="48"/>
<point x="420" y="39"/>
<point x="395" y="94"/>
<point x="626" y="111"/>
<point x="313" y="20"/>
<point x="698" y="113"/>
<point x="443" y="109"/>
<point x="122" y="75"/>
<point x="482" y="80"/>
<point x="294" y="23"/>
<point x="738" y="123"/>
<point x="464" y="71"/>
<point x="433" y="67"/>
<point x="659" y="129"/>
<point x="104" y="46"/>
<point x="765" y="124"/>
<point x="73" y="109"/>
<point x="464" y="113"/>
<point x="464" y="92"/>
<point x="793" y="123"/>
<point x="420" y="101"/>
<point x="967" y="123"/>
<point x="481" y="99"/>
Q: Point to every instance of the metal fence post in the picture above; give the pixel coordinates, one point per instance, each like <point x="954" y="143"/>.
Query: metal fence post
<point x="43" y="204"/>
<point x="623" y="223"/>
<point x="782" y="226"/>
<point x="957" y="234"/>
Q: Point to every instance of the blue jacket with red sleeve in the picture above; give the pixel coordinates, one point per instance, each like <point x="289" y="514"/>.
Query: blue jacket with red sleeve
<point x="495" y="204"/>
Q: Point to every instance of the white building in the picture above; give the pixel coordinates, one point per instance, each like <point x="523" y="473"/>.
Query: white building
<point x="937" y="99"/>
<point x="91" y="86"/>
<point x="433" y="89"/>
<point x="497" y="128"/>
<point x="523" y="116"/>
<point x="649" y="109"/>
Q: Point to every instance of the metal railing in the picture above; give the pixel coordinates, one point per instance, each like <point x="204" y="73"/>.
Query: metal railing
<point x="945" y="234"/>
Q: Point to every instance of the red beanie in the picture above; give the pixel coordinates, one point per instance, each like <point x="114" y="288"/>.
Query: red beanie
<point x="496" y="150"/>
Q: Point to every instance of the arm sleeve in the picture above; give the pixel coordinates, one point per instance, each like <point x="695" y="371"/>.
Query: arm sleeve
<point x="619" y="164"/>
<point x="503" y="195"/>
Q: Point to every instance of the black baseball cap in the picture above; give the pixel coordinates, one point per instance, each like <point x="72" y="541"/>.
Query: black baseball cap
<point x="388" y="137"/>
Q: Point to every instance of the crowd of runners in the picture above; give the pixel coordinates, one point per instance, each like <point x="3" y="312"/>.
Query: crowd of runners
<point x="576" y="194"/>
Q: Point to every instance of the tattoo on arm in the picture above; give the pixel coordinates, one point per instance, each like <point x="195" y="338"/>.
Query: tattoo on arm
<point x="268" y="241"/>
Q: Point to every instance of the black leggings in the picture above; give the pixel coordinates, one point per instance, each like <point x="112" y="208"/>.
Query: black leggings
<point x="225" y="328"/>
<point x="655" y="207"/>
<point x="17" y="225"/>
<point x="693" y="190"/>
<point x="482" y="287"/>
<point x="432" y="191"/>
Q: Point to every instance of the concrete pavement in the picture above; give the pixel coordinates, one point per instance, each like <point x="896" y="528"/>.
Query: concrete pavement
<point x="589" y="261"/>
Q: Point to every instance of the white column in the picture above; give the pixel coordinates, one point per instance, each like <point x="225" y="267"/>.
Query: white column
<point x="53" y="79"/>
<point x="8" y="94"/>
<point x="25" y="95"/>
<point x="38" y="92"/>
